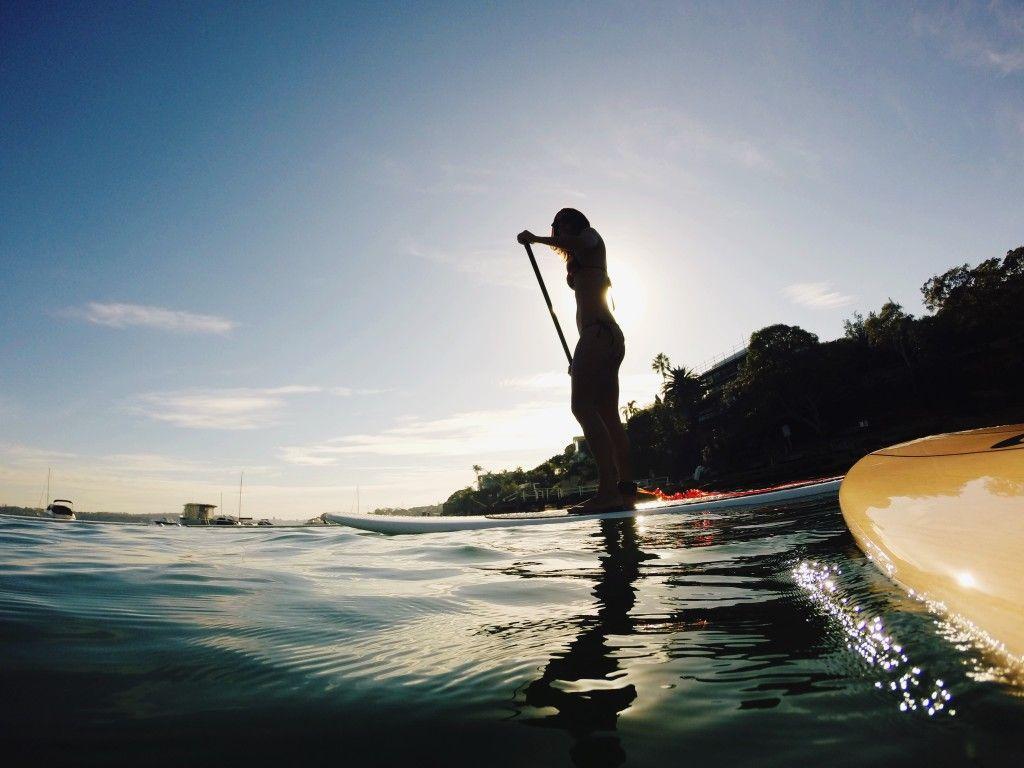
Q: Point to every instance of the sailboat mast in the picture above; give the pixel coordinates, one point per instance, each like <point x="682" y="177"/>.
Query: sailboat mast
<point x="240" y="476"/>
<point x="47" y="504"/>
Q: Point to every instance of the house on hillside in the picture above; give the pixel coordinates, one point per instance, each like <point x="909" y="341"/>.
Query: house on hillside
<point x="715" y="378"/>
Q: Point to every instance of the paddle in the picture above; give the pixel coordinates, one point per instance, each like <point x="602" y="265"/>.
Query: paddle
<point x="547" y="299"/>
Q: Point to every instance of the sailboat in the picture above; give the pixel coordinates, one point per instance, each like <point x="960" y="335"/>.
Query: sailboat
<point x="238" y="519"/>
<point x="58" y="509"/>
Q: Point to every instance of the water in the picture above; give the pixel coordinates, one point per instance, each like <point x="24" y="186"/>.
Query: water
<point x="760" y="637"/>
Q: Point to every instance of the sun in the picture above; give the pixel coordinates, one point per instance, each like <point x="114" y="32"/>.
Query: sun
<point x="630" y="296"/>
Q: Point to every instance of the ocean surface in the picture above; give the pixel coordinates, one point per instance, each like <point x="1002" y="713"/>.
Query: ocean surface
<point x="756" y="637"/>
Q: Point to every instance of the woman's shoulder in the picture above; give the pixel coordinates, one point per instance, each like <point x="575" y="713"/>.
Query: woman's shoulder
<point x="590" y="238"/>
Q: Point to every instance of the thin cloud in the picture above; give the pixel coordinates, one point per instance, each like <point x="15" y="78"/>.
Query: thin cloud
<point x="527" y="427"/>
<point x="218" y="408"/>
<point x="817" y="295"/>
<point x="500" y="266"/>
<point x="31" y="455"/>
<point x="656" y="139"/>
<point x="158" y="464"/>
<point x="989" y="36"/>
<point x="354" y="391"/>
<point x="118" y="315"/>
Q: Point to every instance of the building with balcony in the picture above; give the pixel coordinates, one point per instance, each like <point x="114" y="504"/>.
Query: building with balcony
<point x="719" y="373"/>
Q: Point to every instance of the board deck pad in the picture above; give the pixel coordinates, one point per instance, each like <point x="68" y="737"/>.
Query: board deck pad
<point x="530" y="515"/>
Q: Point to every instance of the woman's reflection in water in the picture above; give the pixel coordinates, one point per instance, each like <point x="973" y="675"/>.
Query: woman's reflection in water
<point x="580" y="682"/>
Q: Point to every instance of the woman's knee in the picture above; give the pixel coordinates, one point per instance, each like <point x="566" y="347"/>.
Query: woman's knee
<point x="583" y="407"/>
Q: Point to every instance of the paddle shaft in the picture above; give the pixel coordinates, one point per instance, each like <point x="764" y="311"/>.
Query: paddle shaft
<point x="547" y="300"/>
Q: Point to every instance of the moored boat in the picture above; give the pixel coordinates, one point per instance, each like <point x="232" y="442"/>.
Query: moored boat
<point x="61" y="509"/>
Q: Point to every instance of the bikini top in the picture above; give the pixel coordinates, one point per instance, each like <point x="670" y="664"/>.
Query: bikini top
<point x="573" y="265"/>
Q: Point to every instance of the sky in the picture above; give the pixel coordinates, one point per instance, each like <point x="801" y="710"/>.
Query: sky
<point x="279" y="238"/>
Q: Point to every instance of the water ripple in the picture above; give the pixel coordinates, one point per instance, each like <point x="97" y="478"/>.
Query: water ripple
<point x="597" y="644"/>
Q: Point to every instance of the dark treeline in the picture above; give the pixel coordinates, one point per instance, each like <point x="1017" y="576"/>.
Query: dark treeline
<point x="794" y="406"/>
<point x="817" y="406"/>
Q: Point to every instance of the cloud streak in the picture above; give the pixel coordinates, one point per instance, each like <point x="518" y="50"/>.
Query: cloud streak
<point x="117" y="315"/>
<point x="989" y="36"/>
<point x="529" y="431"/>
<point x="817" y="296"/>
<point x="238" y="408"/>
<point x="492" y="267"/>
<point x="241" y="408"/>
<point x="527" y="427"/>
<point x="355" y="391"/>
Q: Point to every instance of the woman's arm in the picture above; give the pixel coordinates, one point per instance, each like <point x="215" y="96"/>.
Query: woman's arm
<point x="569" y="243"/>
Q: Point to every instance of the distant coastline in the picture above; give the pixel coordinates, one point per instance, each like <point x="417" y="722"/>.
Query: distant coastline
<point x="149" y="518"/>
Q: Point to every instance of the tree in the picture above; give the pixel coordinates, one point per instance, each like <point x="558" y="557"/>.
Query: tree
<point x="973" y="290"/>
<point x="661" y="365"/>
<point x="630" y="410"/>
<point x="683" y="390"/>
<point x="891" y="328"/>
<point x="776" y="344"/>
<point x="854" y="328"/>
<point x="941" y="289"/>
<point x="477" y="469"/>
<point x="782" y="376"/>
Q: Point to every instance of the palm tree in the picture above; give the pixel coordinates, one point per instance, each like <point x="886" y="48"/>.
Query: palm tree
<point x="477" y="469"/>
<point x="661" y="365"/>
<point x="682" y="390"/>
<point x="630" y="410"/>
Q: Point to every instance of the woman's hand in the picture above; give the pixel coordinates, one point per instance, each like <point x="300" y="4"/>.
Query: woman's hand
<point x="526" y="237"/>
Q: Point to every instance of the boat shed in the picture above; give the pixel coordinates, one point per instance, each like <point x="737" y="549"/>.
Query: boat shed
<point x="197" y="514"/>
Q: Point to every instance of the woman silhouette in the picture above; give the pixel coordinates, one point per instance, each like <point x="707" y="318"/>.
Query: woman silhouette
<point x="596" y="361"/>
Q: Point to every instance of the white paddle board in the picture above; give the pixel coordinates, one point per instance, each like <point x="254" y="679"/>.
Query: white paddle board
<point x="401" y="524"/>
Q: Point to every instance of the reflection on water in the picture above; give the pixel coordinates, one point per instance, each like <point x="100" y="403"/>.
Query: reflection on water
<point x="760" y="637"/>
<point x="866" y="637"/>
<point x="580" y="684"/>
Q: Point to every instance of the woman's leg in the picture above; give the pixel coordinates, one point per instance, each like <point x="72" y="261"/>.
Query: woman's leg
<point x="608" y="410"/>
<point x="600" y="446"/>
<point x="594" y="383"/>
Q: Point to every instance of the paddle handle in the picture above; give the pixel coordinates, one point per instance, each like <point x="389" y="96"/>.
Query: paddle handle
<point x="547" y="300"/>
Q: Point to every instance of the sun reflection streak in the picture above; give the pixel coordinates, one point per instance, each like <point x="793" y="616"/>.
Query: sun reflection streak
<point x="986" y="659"/>
<point x="867" y="637"/>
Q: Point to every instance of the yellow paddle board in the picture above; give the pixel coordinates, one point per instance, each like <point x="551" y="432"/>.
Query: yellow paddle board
<point x="944" y="517"/>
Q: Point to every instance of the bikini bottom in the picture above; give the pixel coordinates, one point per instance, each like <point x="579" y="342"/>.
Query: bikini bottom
<point x="601" y="346"/>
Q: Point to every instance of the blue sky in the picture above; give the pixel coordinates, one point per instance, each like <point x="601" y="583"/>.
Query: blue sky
<point x="282" y="240"/>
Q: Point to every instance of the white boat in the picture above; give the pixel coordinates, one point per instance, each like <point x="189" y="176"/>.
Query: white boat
<point x="58" y="509"/>
<point x="61" y="509"/>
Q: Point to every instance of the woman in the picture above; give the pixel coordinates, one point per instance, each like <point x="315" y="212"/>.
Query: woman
<point x="595" y="363"/>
